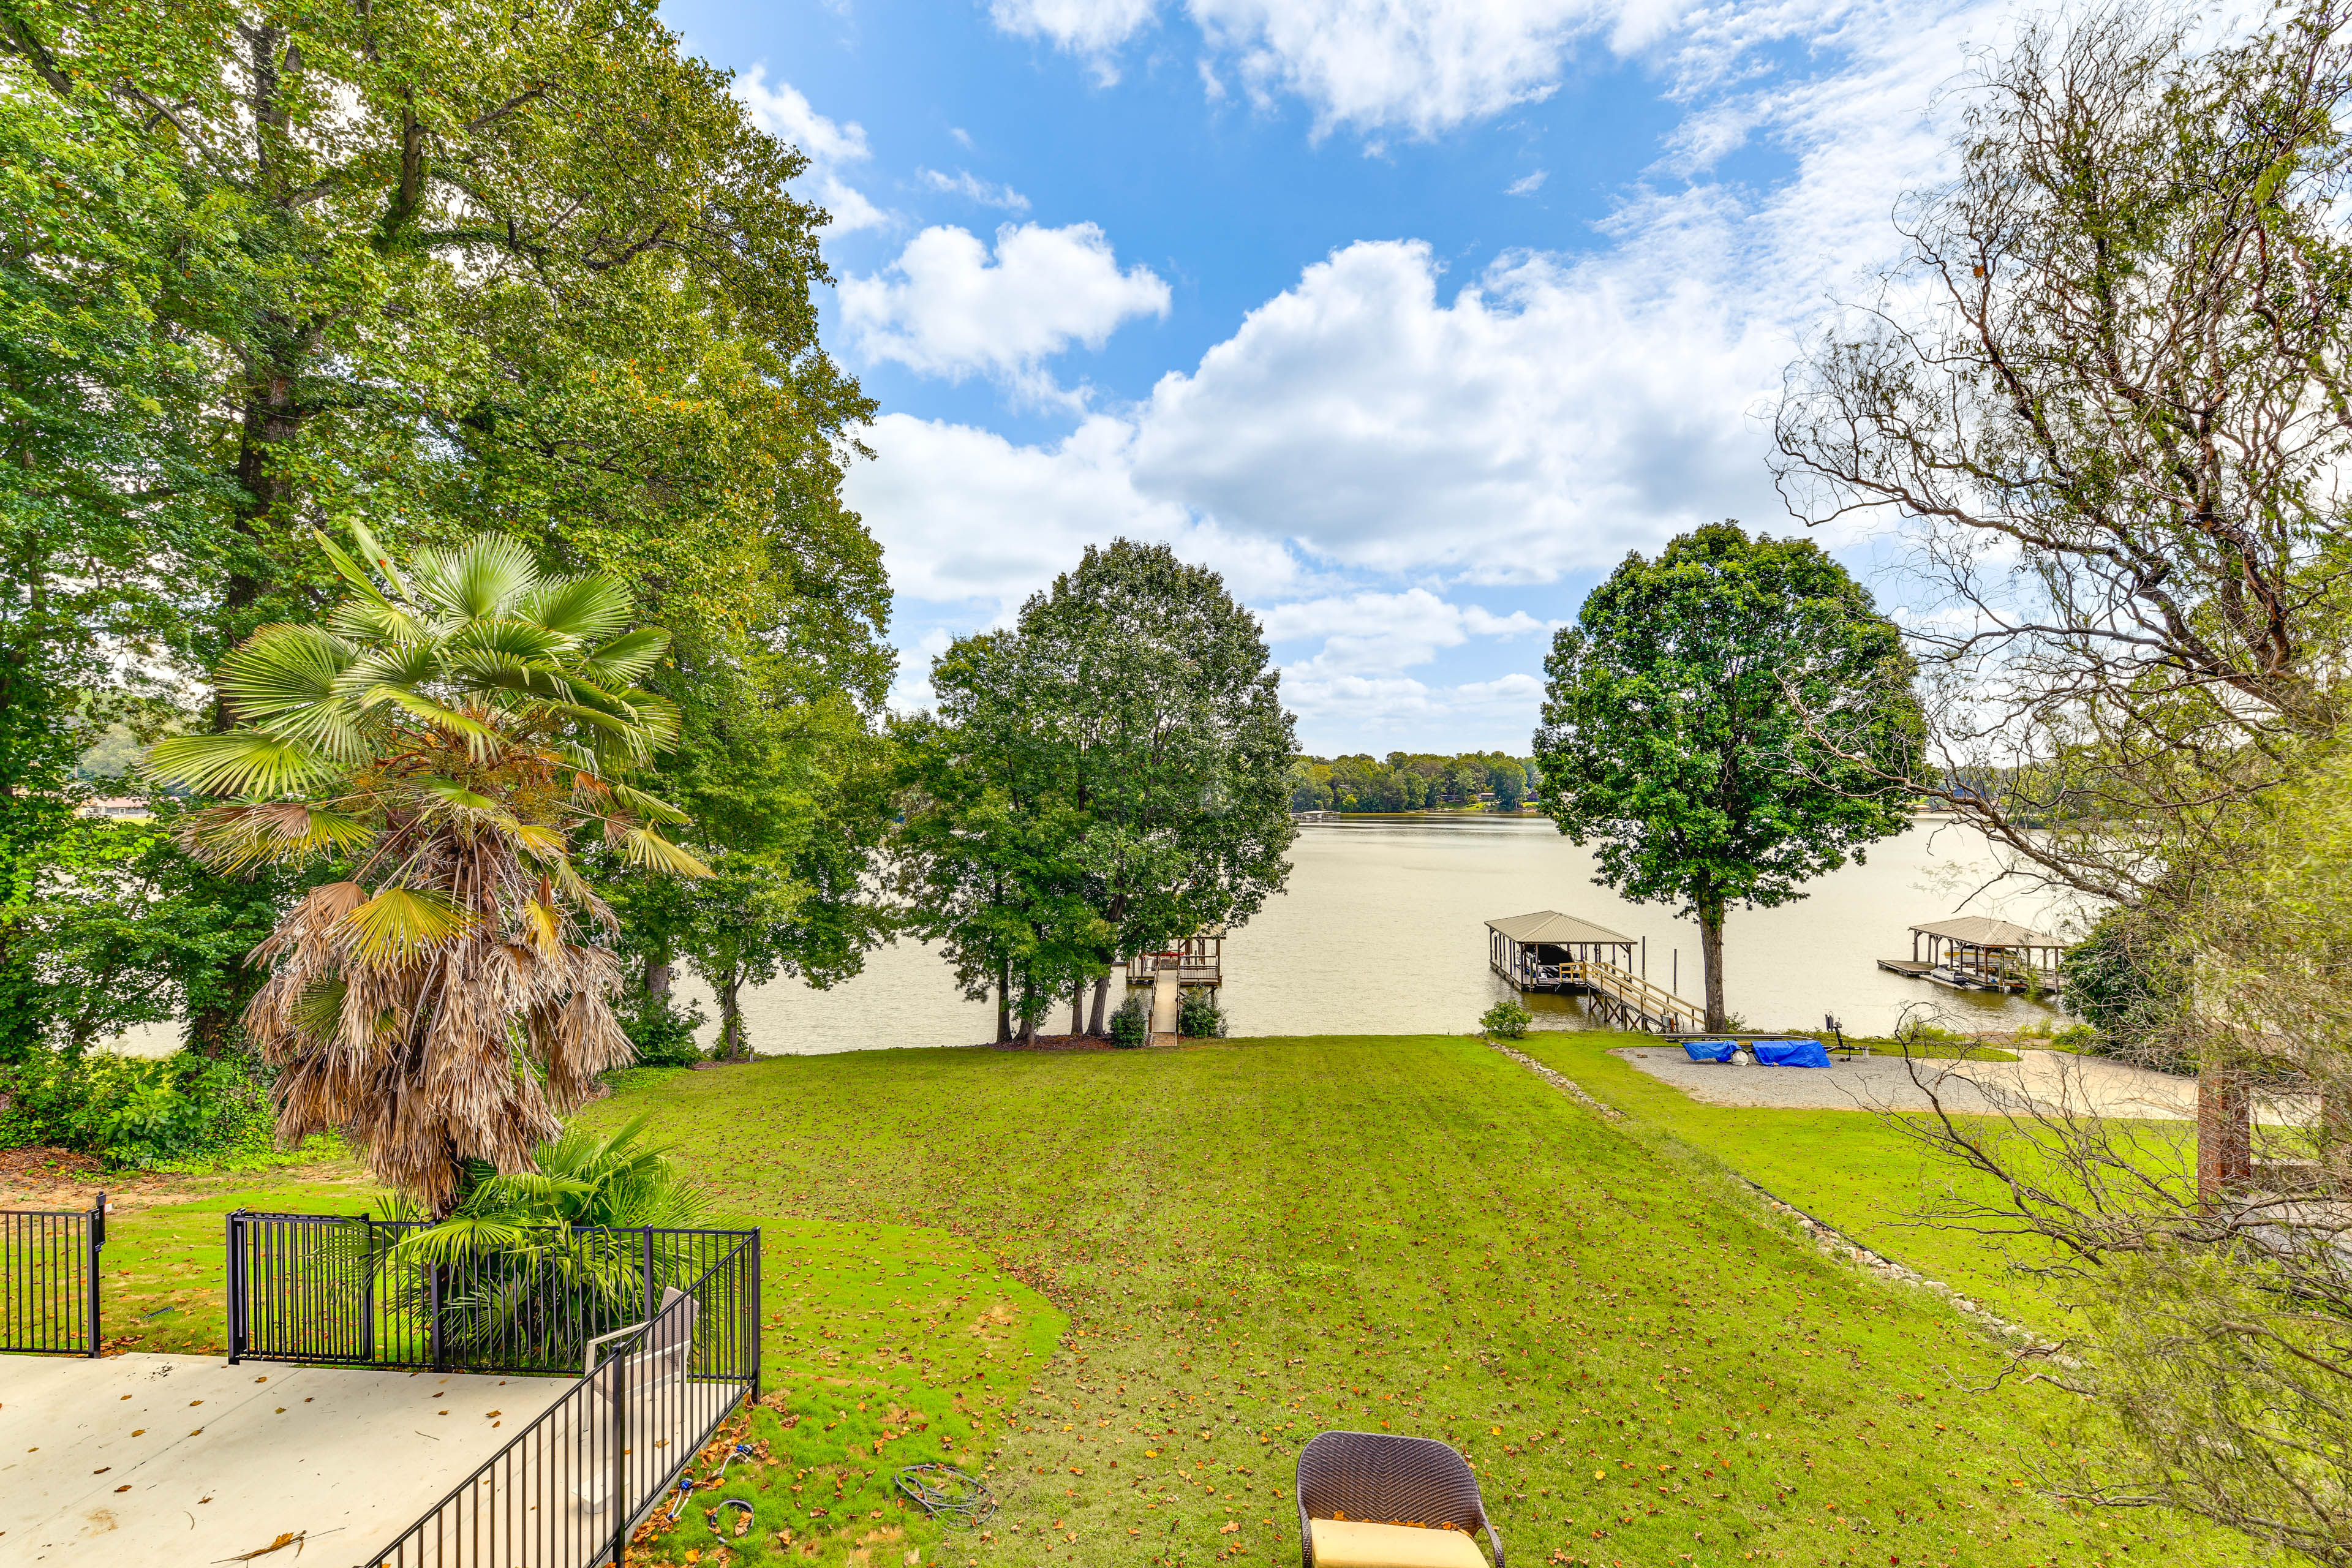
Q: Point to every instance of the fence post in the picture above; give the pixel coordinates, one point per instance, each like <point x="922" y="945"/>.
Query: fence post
<point x="433" y="1310"/>
<point x="96" y="1230"/>
<point x="367" y="1290"/>
<point x="646" y="1234"/>
<point x="236" y="1285"/>
<point x="753" y="1310"/>
<point x="621" y="1500"/>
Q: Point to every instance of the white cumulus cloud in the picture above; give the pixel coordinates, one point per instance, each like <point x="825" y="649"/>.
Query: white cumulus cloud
<point x="1091" y="29"/>
<point x="783" y="110"/>
<point x="1425" y="66"/>
<point x="1381" y="435"/>
<point x="1381" y="633"/>
<point x="948" y="307"/>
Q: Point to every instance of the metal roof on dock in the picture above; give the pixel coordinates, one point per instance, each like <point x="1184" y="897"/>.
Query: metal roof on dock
<point x="1982" y="931"/>
<point x="1559" y="930"/>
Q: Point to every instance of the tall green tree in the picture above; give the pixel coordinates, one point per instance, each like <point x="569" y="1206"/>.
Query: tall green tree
<point x="1151" y="693"/>
<point x="445" y="267"/>
<point x="987" y="846"/>
<point x="103" y="487"/>
<point x="1726" y="722"/>
<point x="790" y="803"/>
<point x="1109" y="776"/>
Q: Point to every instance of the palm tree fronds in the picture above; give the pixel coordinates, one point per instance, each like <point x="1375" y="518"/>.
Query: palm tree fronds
<point x="391" y="663"/>
<point x="546" y="926"/>
<point x="585" y="609"/>
<point x="507" y="636"/>
<point x="318" y="1012"/>
<point x="480" y="578"/>
<point x="642" y="847"/>
<point x="380" y="558"/>
<point x="656" y="714"/>
<point x="653" y="808"/>
<point x="241" y="762"/>
<point x="399" y="921"/>
<point x="623" y="661"/>
<point x="351" y="571"/>
<point x="451" y="735"/>
<point x="542" y="843"/>
<point x="478" y="734"/>
<point x="283" y="668"/>
<point x="457" y="794"/>
<point x="281" y="833"/>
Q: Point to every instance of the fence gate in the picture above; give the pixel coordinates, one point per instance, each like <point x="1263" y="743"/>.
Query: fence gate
<point x="301" y="1287"/>
<point x="48" y="1278"/>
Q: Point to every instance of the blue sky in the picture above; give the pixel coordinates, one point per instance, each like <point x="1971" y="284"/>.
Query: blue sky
<point x="1410" y="316"/>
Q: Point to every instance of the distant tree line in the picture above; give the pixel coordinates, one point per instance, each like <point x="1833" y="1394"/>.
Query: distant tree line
<point x="1410" y="781"/>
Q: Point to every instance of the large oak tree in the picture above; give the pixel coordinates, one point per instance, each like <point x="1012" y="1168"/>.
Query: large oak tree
<point x="1726" y="722"/>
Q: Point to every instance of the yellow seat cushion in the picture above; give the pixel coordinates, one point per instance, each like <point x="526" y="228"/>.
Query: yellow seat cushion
<point x="1351" y="1543"/>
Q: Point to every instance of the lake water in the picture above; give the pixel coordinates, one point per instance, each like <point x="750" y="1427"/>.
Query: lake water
<point x="1382" y="931"/>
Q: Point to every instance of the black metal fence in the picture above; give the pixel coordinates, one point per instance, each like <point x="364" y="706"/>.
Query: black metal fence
<point x="48" y="1278"/>
<point x="330" y="1290"/>
<point x="568" y="1489"/>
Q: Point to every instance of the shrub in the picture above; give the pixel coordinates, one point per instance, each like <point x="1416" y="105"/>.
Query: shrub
<point x="524" y="1259"/>
<point x="661" y="1031"/>
<point x="1507" y="1021"/>
<point x="1198" y="1017"/>
<point x="1130" y="1026"/>
<point x="2129" y="980"/>
<point x="180" y="1110"/>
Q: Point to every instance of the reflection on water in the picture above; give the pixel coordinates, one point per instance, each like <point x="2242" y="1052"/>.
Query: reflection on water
<point x="1382" y="931"/>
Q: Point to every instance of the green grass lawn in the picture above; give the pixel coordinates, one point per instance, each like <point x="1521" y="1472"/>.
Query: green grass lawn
<point x="1256" y="1240"/>
<point x="1854" y="1169"/>
<point x="1128" y="1285"/>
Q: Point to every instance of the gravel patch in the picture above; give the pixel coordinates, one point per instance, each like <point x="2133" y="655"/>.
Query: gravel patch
<point x="1869" y="1083"/>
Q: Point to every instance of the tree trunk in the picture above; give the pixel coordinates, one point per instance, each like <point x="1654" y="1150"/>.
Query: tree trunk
<point x="1710" y="949"/>
<point x="1078" y="1008"/>
<point x="212" y="1032"/>
<point x="732" y="1045"/>
<point x="1004" y="1001"/>
<point x="658" y="969"/>
<point x="1100" y="1023"/>
<point x="2225" y="1153"/>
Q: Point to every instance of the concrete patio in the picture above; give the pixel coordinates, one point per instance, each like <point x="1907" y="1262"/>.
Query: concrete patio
<point x="173" y="1460"/>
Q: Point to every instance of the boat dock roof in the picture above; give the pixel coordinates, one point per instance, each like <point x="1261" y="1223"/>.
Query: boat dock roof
<point x="1552" y="927"/>
<point x="1982" y="931"/>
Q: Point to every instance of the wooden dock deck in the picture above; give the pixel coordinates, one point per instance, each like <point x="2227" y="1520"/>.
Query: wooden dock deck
<point x="2046" y="984"/>
<point x="1197" y="960"/>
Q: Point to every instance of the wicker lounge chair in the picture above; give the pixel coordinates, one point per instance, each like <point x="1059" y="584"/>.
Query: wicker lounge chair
<point x="1372" y="1499"/>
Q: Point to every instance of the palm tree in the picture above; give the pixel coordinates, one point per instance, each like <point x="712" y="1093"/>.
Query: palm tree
<point x="446" y="734"/>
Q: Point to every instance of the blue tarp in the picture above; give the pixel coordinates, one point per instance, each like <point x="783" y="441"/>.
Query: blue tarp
<point x="1791" y="1054"/>
<point x="1710" y="1050"/>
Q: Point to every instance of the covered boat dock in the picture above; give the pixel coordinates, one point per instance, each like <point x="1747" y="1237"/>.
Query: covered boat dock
<point x="1977" y="952"/>
<point x="1545" y="951"/>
